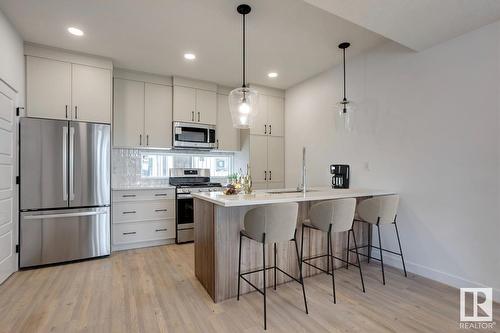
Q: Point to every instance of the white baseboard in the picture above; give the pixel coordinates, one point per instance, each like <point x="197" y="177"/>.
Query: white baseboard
<point x="434" y="274"/>
<point x="138" y="245"/>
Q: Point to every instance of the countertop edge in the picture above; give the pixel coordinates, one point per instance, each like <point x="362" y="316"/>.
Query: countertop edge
<point x="350" y="193"/>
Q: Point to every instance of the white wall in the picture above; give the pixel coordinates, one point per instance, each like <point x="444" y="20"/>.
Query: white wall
<point x="427" y="127"/>
<point x="11" y="58"/>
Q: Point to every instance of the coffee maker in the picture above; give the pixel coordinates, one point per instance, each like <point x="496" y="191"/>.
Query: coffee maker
<point x="341" y="175"/>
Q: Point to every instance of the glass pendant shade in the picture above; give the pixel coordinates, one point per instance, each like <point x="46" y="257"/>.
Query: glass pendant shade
<point x="346" y="115"/>
<point x="243" y="105"/>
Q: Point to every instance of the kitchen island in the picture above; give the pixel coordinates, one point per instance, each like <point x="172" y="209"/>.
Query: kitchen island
<point x="218" y="219"/>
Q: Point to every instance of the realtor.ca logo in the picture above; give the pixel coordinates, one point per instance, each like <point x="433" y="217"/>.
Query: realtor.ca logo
<point x="476" y="308"/>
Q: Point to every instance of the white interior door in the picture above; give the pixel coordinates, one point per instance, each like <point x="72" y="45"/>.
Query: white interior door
<point x="8" y="205"/>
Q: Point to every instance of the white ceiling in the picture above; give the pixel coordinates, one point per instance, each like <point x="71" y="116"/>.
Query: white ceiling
<point x="291" y="37"/>
<point x="417" y="24"/>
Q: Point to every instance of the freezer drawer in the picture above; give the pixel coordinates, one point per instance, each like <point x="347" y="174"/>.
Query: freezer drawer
<point x="63" y="235"/>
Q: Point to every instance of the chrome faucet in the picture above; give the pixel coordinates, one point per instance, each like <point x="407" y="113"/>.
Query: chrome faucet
<point x="302" y="187"/>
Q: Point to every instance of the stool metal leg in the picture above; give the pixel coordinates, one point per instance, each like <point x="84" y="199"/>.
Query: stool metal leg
<point x="264" y="277"/>
<point x="357" y="258"/>
<point x="400" y="250"/>
<point x="328" y="252"/>
<point x="299" y="261"/>
<point x="331" y="258"/>
<point x="274" y="266"/>
<point x="380" y="250"/>
<point x="239" y="268"/>
<point x="369" y="242"/>
<point x="348" y="249"/>
<point x="301" y="248"/>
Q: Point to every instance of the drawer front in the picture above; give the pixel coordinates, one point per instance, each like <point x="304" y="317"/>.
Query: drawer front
<point x="134" y="195"/>
<point x="143" y="210"/>
<point x="143" y="231"/>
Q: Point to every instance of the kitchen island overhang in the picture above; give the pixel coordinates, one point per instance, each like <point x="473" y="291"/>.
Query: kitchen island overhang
<point x="218" y="219"/>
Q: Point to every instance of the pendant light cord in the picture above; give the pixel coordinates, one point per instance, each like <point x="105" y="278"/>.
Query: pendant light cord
<point x="244" y="51"/>
<point x="344" y="75"/>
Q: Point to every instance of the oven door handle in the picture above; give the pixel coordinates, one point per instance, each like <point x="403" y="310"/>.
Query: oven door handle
<point x="184" y="196"/>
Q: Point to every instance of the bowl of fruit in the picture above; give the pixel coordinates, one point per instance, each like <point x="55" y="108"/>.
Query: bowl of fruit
<point x="232" y="189"/>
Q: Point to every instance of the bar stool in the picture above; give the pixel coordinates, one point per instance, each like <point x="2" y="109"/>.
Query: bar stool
<point x="270" y="224"/>
<point x="378" y="211"/>
<point x="331" y="216"/>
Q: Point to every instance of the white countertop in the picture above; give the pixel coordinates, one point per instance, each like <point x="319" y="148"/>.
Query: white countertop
<point x="262" y="197"/>
<point x="142" y="187"/>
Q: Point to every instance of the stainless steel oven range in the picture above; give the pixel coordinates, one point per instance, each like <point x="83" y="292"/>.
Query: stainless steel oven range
<point x="188" y="181"/>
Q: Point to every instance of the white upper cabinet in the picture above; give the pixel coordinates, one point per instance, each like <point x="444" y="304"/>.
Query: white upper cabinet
<point x="195" y="101"/>
<point x="206" y="107"/>
<point x="91" y="93"/>
<point x="142" y="113"/>
<point x="48" y="88"/>
<point x="260" y="121"/>
<point x="128" y="119"/>
<point x="275" y="107"/>
<point x="61" y="85"/>
<point x="184" y="104"/>
<point x="269" y="119"/>
<point x="158" y="115"/>
<point x="228" y="137"/>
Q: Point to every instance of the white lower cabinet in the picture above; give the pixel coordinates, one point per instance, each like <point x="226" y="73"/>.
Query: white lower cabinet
<point x="143" y="218"/>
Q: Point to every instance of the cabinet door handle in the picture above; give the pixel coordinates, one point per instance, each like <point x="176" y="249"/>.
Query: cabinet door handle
<point x="161" y="210"/>
<point x="129" y="233"/>
<point x="128" y="196"/>
<point x="66" y="111"/>
<point x="192" y="115"/>
<point x="147" y="139"/>
<point x="129" y="212"/>
<point x="270" y="172"/>
<point x="217" y="143"/>
<point x="198" y="116"/>
<point x="270" y="129"/>
<point x="160" y="194"/>
<point x="265" y="129"/>
<point x="265" y="175"/>
<point x="158" y="230"/>
<point x="76" y="112"/>
<point x="140" y="139"/>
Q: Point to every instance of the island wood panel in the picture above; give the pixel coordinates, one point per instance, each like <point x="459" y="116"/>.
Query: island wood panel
<point x="217" y="238"/>
<point x="204" y="251"/>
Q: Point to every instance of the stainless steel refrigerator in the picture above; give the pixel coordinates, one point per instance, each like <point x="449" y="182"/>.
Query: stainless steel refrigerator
<point x="64" y="191"/>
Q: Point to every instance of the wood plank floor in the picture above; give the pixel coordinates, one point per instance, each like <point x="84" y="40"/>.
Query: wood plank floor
<point x="155" y="290"/>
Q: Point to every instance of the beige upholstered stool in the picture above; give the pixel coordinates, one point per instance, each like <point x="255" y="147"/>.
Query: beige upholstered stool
<point x="379" y="211"/>
<point x="332" y="216"/>
<point x="270" y="224"/>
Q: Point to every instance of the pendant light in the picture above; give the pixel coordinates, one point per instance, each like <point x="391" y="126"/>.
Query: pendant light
<point x="346" y="107"/>
<point x="243" y="101"/>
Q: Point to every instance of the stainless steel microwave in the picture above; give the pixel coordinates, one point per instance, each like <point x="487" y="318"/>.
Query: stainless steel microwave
<point x="192" y="135"/>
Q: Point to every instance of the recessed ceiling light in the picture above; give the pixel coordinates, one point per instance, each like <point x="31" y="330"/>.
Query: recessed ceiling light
<point x="272" y="75"/>
<point x="75" y="31"/>
<point x="189" y="56"/>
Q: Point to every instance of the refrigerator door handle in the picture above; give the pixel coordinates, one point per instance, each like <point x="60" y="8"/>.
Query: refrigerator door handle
<point x="71" y="163"/>
<point x="55" y="216"/>
<point x="65" y="163"/>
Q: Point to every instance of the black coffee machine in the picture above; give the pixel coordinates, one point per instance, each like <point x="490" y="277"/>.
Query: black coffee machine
<point x="341" y="175"/>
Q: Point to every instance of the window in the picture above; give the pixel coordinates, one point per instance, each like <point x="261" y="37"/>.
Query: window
<point x="156" y="165"/>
